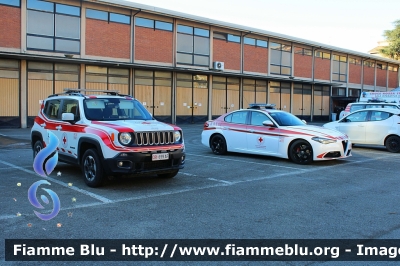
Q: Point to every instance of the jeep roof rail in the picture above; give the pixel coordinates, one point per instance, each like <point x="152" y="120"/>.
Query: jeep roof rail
<point x="78" y="92"/>
<point x="112" y="92"/>
<point x="109" y="92"/>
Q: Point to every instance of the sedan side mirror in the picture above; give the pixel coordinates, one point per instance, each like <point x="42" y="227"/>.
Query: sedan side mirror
<point x="268" y="123"/>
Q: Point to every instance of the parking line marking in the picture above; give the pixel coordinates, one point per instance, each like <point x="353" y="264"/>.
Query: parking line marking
<point x="220" y="180"/>
<point x="186" y="174"/>
<point x="5" y="168"/>
<point x="222" y="183"/>
<point x="85" y="192"/>
<point x="227" y="159"/>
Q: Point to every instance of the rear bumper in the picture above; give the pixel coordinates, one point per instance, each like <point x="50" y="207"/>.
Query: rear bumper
<point x="141" y="162"/>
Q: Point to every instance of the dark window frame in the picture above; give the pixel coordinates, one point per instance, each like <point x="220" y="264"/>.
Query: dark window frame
<point x="184" y="30"/>
<point x="233" y="38"/>
<point x="303" y="51"/>
<point x="342" y="74"/>
<point x="256" y="42"/>
<point x="281" y="48"/>
<point x="154" y="24"/>
<point x="109" y="19"/>
<point x="54" y="37"/>
<point x="323" y="55"/>
<point x="11" y="4"/>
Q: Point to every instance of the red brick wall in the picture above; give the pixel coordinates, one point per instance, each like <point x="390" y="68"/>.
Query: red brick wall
<point x="107" y="39"/>
<point x="369" y="75"/>
<point x="255" y="59"/>
<point x="227" y="52"/>
<point x="153" y="45"/>
<point x="393" y="79"/>
<point x="355" y="73"/>
<point x="381" y="77"/>
<point x="302" y="66"/>
<point x="10" y="27"/>
<point x="322" y="68"/>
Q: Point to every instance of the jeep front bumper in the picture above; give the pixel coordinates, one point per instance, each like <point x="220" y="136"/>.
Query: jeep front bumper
<point x="141" y="162"/>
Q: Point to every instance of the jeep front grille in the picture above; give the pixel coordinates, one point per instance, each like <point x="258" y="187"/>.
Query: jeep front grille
<point x="154" y="138"/>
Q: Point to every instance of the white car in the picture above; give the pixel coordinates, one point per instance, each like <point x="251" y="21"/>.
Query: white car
<point x="375" y="126"/>
<point x="352" y="107"/>
<point x="274" y="133"/>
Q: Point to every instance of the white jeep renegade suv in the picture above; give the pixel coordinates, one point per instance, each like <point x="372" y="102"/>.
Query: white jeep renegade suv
<point x="108" y="134"/>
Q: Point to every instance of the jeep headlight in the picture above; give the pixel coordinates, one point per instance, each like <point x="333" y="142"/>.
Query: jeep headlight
<point x="324" y="140"/>
<point x="125" y="138"/>
<point x="177" y="136"/>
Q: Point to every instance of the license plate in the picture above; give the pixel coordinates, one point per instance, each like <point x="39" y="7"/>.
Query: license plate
<point x="159" y="156"/>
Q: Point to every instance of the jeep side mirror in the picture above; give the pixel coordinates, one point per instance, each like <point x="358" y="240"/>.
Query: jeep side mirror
<point x="68" y="117"/>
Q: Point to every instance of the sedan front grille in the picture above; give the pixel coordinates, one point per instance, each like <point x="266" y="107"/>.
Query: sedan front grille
<point x="154" y="138"/>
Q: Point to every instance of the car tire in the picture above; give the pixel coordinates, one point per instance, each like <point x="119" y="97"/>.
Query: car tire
<point x="301" y="152"/>
<point x="168" y="175"/>
<point x="393" y="144"/>
<point x="93" y="172"/>
<point x="37" y="147"/>
<point x="218" y="145"/>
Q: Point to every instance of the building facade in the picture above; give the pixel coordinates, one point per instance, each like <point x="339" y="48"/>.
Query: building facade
<point x="183" y="68"/>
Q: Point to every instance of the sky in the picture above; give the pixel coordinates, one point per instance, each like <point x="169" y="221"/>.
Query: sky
<point x="355" y="25"/>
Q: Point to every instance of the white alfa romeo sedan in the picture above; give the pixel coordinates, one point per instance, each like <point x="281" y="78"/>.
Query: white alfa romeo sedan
<point x="375" y="126"/>
<point x="274" y="133"/>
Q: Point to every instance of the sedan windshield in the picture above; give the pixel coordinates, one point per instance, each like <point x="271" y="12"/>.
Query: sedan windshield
<point x="286" y="119"/>
<point x="112" y="109"/>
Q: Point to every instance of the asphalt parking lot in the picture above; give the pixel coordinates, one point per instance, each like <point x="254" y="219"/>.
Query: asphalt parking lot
<point x="229" y="197"/>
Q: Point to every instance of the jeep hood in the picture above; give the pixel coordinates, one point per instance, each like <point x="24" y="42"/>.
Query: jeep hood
<point x="135" y="125"/>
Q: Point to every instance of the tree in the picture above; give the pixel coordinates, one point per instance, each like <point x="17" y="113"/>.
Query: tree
<point x="393" y="38"/>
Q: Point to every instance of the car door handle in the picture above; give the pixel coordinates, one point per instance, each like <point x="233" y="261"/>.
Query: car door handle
<point x="43" y="125"/>
<point x="58" y="127"/>
<point x="225" y="128"/>
<point x="251" y="131"/>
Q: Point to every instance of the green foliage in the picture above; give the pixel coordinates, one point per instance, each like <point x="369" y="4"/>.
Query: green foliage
<point x="393" y="38"/>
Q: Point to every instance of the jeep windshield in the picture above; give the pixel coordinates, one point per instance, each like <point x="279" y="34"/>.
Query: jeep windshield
<point x="112" y="109"/>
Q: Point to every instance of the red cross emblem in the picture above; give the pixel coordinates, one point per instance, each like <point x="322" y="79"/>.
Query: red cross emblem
<point x="260" y="139"/>
<point x="64" y="139"/>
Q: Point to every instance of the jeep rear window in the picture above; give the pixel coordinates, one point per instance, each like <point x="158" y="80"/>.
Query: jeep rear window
<point x="112" y="109"/>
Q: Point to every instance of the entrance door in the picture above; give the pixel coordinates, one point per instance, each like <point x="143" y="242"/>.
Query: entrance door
<point x="191" y="98"/>
<point x="280" y="95"/>
<point x="154" y="90"/>
<point x="302" y="101"/>
<point x="225" y="95"/>
<point x="321" y="103"/>
<point x="254" y="91"/>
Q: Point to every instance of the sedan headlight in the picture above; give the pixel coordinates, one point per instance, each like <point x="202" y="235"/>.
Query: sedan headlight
<point x="125" y="138"/>
<point x="324" y="140"/>
<point x="177" y="136"/>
